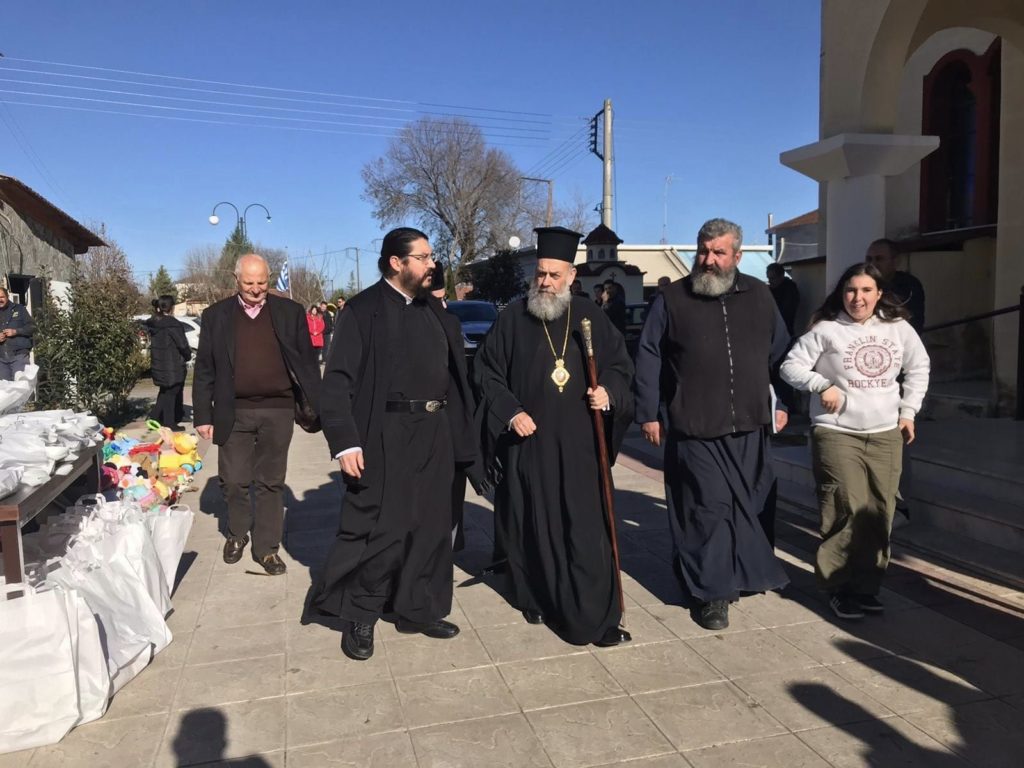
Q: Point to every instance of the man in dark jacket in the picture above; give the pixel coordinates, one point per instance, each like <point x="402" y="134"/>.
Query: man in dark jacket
<point x="396" y="413"/>
<point x="16" y="331"/>
<point x="705" y="357"/>
<point x="328" y="317"/>
<point x="255" y="373"/>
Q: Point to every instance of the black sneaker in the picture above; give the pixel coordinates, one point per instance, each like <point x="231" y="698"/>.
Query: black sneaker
<point x="714" y="615"/>
<point x="845" y="607"/>
<point x="357" y="641"/>
<point x="870" y="604"/>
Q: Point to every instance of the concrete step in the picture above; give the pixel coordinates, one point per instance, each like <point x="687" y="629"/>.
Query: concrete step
<point x="984" y="560"/>
<point x="960" y="511"/>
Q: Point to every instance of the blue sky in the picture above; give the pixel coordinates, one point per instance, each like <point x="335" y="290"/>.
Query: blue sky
<point x="708" y="92"/>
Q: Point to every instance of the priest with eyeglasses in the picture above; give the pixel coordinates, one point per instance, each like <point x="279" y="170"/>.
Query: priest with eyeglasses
<point x="538" y="432"/>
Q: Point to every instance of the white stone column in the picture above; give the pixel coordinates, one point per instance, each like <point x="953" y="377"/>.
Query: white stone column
<point x="853" y="167"/>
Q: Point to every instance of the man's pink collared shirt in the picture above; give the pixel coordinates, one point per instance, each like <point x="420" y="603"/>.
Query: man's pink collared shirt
<point x="252" y="310"/>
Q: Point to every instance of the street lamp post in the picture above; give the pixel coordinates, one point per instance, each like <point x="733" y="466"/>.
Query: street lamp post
<point x="239" y="217"/>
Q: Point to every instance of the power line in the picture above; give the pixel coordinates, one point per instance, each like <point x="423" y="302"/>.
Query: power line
<point x="215" y="91"/>
<point x="26" y="146"/>
<point x="207" y="121"/>
<point x="538" y="169"/>
<point x="191" y="110"/>
<point x="233" y="104"/>
<point x="271" y="88"/>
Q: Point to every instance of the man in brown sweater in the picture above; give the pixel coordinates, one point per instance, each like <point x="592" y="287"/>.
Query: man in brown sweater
<point x="256" y="373"/>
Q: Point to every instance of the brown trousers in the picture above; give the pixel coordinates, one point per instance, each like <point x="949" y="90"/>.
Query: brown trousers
<point x="857" y="476"/>
<point x="255" y="458"/>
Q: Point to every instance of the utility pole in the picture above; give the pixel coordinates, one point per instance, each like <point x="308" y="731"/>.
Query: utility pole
<point x="664" y="221"/>
<point x="606" y="200"/>
<point x="606" y="157"/>
<point x="551" y="195"/>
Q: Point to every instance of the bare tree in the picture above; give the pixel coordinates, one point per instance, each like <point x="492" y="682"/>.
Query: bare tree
<point x="442" y="175"/>
<point x="204" y="280"/>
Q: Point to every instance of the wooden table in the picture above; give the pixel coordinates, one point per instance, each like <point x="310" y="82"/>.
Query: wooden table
<point x="27" y="502"/>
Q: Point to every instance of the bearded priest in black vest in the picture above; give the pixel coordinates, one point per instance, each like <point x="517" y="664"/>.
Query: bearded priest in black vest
<point x="540" y="448"/>
<point x="708" y="350"/>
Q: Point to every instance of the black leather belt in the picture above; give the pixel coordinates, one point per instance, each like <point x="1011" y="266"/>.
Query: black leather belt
<point x="415" y="406"/>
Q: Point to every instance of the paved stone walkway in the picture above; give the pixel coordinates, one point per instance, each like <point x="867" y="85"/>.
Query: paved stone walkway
<point x="938" y="681"/>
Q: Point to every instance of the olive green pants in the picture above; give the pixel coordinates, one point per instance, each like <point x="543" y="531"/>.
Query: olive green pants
<point x="857" y="477"/>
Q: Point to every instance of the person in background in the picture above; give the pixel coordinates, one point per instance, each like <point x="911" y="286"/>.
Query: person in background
<point x="576" y="289"/>
<point x="615" y="306"/>
<point x="316" y="324"/>
<point x="904" y="289"/>
<point x="169" y="354"/>
<point x="785" y="292"/>
<point x="16" y="331"/>
<point x="328" y="316"/>
<point x="859" y="342"/>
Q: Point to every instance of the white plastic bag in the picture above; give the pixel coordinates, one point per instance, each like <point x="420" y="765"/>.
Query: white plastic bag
<point x="132" y="626"/>
<point x="91" y="671"/>
<point x="38" y="689"/>
<point x="169" y="527"/>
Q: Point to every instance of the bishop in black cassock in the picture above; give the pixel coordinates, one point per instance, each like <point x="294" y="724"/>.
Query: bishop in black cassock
<point x="540" y="448"/>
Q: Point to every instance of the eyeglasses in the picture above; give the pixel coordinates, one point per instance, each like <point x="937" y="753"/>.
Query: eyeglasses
<point x="422" y="258"/>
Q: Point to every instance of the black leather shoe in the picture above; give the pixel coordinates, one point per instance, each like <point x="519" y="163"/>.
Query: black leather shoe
<point x="533" y="617"/>
<point x="440" y="629"/>
<point x="613" y="636"/>
<point x="233" y="549"/>
<point x="272" y="564"/>
<point x="357" y="641"/>
<point x="714" y="615"/>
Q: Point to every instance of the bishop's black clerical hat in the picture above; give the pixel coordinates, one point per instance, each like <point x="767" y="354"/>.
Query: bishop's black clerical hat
<point x="557" y="243"/>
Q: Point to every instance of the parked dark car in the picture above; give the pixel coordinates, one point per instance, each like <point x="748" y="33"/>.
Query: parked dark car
<point x="476" y="317"/>
<point x="636" y="314"/>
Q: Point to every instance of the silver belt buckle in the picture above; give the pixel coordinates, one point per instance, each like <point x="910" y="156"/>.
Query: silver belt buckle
<point x="433" y="406"/>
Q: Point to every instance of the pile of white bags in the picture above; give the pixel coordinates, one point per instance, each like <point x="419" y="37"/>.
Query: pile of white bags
<point x="43" y="443"/>
<point x="92" y="616"/>
<point x="14" y="394"/>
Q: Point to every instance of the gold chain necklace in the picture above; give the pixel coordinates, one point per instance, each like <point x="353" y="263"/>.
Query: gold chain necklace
<point x="560" y="375"/>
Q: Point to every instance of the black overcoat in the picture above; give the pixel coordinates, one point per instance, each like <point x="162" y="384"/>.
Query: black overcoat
<point x="355" y="385"/>
<point x="168" y="350"/>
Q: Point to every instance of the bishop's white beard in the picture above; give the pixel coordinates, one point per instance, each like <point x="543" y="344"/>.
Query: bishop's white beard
<point x="712" y="281"/>
<point x="547" y="306"/>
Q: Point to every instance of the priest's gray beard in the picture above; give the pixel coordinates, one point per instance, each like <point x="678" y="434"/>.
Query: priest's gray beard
<point x="547" y="306"/>
<point x="712" y="280"/>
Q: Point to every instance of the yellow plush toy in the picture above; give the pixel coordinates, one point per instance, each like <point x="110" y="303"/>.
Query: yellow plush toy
<point x="185" y="455"/>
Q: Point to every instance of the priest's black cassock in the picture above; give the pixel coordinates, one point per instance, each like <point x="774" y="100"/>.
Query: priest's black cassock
<point x="548" y="510"/>
<point x="394" y="539"/>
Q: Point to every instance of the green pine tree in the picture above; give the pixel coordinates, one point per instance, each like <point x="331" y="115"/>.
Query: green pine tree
<point x="237" y="245"/>
<point x="162" y="285"/>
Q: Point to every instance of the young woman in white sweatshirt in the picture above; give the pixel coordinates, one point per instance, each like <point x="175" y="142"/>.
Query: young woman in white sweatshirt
<point x="858" y="344"/>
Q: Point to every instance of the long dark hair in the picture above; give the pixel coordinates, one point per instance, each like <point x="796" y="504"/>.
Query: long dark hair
<point x="398" y="242"/>
<point x="887" y="308"/>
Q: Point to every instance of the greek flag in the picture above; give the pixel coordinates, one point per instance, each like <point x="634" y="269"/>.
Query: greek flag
<point x="282" y="279"/>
